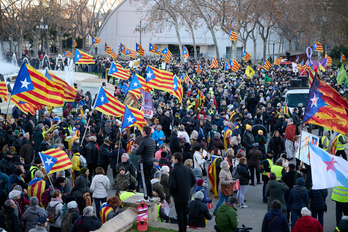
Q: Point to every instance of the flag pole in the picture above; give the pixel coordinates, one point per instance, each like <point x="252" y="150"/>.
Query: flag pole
<point x="8" y="105"/>
<point x="84" y="133"/>
<point x="48" y="177"/>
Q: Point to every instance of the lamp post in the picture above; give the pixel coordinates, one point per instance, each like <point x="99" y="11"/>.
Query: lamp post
<point x="42" y="29"/>
<point x="139" y="28"/>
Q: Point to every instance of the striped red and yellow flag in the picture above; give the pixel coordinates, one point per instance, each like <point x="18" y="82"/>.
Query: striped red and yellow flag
<point x="159" y="79"/>
<point x="83" y="58"/>
<point x="133" y="117"/>
<point x="199" y="69"/>
<point x="131" y="53"/>
<point x="25" y="107"/>
<point x="317" y="47"/>
<point x="166" y="55"/>
<point x="277" y="61"/>
<point x="3" y="90"/>
<point x="233" y="35"/>
<point x="63" y="161"/>
<point x="74" y="44"/>
<point x="113" y="54"/>
<point x="104" y="211"/>
<point x="138" y="83"/>
<point x="234" y="65"/>
<point x="116" y="70"/>
<point x="311" y="74"/>
<point x="69" y="91"/>
<point x="177" y="87"/>
<point x="246" y="56"/>
<point x="214" y="63"/>
<point x="107" y="104"/>
<point x="329" y="60"/>
<point x="95" y="40"/>
<point x="36" y="188"/>
<point x="67" y="53"/>
<point x="266" y="65"/>
<point x="139" y="49"/>
<point x="33" y="87"/>
<point x="108" y="49"/>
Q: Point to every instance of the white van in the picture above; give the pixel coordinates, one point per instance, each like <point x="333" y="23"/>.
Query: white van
<point x="295" y="96"/>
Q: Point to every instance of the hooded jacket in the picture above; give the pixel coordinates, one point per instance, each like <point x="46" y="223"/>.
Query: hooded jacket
<point x="146" y="149"/>
<point x="198" y="212"/>
<point x="274" y="191"/>
<point x="279" y="224"/>
<point x="298" y="197"/>
<point x="308" y="224"/>
<point x="158" y="188"/>
<point x="226" y="218"/>
<point x="100" y="185"/>
<point x="31" y="215"/>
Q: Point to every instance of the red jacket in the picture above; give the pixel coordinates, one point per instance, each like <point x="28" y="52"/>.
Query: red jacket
<point x="307" y="224"/>
<point x="290" y="132"/>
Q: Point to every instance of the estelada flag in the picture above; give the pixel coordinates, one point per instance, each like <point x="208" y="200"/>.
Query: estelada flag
<point x="69" y="91"/>
<point x="67" y="53"/>
<point x="108" y="49"/>
<point x="133" y="117"/>
<point x="107" y="104"/>
<point x="234" y="65"/>
<point x="139" y="49"/>
<point x="246" y="56"/>
<point x="116" y="70"/>
<point x="233" y="35"/>
<point x="95" y="40"/>
<point x="55" y="160"/>
<point x="177" y="87"/>
<point x="266" y="65"/>
<point x="113" y="54"/>
<point x="74" y="44"/>
<point x="83" y="58"/>
<point x="3" y="90"/>
<point x="159" y="79"/>
<point x="131" y="53"/>
<point x="166" y="55"/>
<point x="26" y="107"/>
<point x="32" y="87"/>
<point x="185" y="53"/>
<point x="138" y="82"/>
<point x="36" y="188"/>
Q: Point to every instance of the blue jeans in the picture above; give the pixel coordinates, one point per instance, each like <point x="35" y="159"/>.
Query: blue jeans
<point x="241" y="193"/>
<point x="294" y="216"/>
<point x="98" y="202"/>
<point x="222" y="199"/>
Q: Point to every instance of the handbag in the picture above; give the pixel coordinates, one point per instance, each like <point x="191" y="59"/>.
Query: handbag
<point x="210" y="205"/>
<point x="227" y="190"/>
<point x="236" y="185"/>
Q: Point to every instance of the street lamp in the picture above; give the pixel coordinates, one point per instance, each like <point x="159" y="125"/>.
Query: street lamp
<point x="42" y="29"/>
<point x="141" y="29"/>
<point x="65" y="41"/>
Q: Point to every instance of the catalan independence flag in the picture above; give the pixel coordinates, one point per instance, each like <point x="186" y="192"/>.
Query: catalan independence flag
<point x="3" y="90"/>
<point x="234" y="65"/>
<point x="25" y="107"/>
<point x="67" y="53"/>
<point x="116" y="70"/>
<point x="185" y="53"/>
<point x="326" y="107"/>
<point x="69" y="91"/>
<point x="123" y="49"/>
<point x="159" y="79"/>
<point x="133" y="117"/>
<point x="276" y="61"/>
<point x="139" y="49"/>
<point x="32" y="87"/>
<point x="55" y="160"/>
<point x="233" y="35"/>
<point x="154" y="49"/>
<point x="311" y="74"/>
<point x="113" y="54"/>
<point x="199" y="69"/>
<point x="343" y="57"/>
<point x="213" y="177"/>
<point x="107" y="104"/>
<point x="131" y="53"/>
<point x="166" y="55"/>
<point x="95" y="40"/>
<point x="137" y="83"/>
<point x="177" y="87"/>
<point x="266" y="65"/>
<point x="317" y="47"/>
<point x="36" y="188"/>
<point x="214" y="63"/>
<point x="105" y="209"/>
<point x="74" y="44"/>
<point x="246" y="56"/>
<point x="108" y="49"/>
<point x="82" y="57"/>
<point x="329" y="60"/>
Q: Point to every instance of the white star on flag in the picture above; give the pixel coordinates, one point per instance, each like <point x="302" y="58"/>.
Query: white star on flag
<point x="135" y="84"/>
<point x="174" y="86"/>
<point x="114" y="69"/>
<point x="314" y="101"/>
<point x="25" y="83"/>
<point x="130" y="119"/>
<point x="49" y="162"/>
<point x="148" y="75"/>
<point x="78" y="56"/>
<point x="102" y="99"/>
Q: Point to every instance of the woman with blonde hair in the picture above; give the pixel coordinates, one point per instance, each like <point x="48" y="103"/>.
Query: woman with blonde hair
<point x="225" y="178"/>
<point x="189" y="163"/>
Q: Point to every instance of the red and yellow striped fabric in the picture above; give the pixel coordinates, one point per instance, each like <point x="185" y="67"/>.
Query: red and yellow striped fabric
<point x="74" y="44"/>
<point x="108" y="49"/>
<point x="33" y="87"/>
<point x="139" y="118"/>
<point x="233" y="35"/>
<point x="214" y="63"/>
<point x="213" y="177"/>
<point x="69" y="91"/>
<point x="3" y="90"/>
<point x="107" y="104"/>
<point x="177" y="87"/>
<point x="95" y="40"/>
<point x="329" y="60"/>
<point x="266" y="65"/>
<point x="139" y="49"/>
<point x="123" y="49"/>
<point x="104" y="211"/>
<point x="246" y="56"/>
<point x="116" y="70"/>
<point x="36" y="188"/>
<point x="113" y="54"/>
<point x="199" y="69"/>
<point x="25" y="107"/>
<point x="234" y="65"/>
<point x="63" y="161"/>
<point x="83" y="58"/>
<point x="129" y="146"/>
<point x="166" y="55"/>
<point x="159" y="79"/>
<point x="131" y="53"/>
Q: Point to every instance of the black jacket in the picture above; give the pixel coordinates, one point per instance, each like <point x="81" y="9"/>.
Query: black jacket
<point x="198" y="212"/>
<point x="187" y="154"/>
<point x="181" y="180"/>
<point x="12" y="218"/>
<point x="248" y="140"/>
<point x="129" y="166"/>
<point x="91" y="152"/>
<point x="103" y="158"/>
<point x="243" y="173"/>
<point x="146" y="149"/>
<point x="44" y="146"/>
<point x="174" y="143"/>
<point x="317" y="199"/>
<point x="276" y="144"/>
<point x="86" y="223"/>
<point x="208" y="126"/>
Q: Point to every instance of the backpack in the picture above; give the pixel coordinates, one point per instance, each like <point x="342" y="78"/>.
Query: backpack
<point x="87" y="197"/>
<point x="51" y="213"/>
<point x="46" y="196"/>
<point x="260" y="166"/>
<point x="4" y="223"/>
<point x="67" y="222"/>
<point x="83" y="161"/>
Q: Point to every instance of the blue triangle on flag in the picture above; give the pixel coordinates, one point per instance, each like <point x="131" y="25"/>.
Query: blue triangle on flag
<point x="23" y="81"/>
<point x="48" y="161"/>
<point x="128" y="118"/>
<point x="149" y="74"/>
<point x="101" y="98"/>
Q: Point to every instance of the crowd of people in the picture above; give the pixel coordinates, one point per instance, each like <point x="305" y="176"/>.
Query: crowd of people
<point x="243" y="123"/>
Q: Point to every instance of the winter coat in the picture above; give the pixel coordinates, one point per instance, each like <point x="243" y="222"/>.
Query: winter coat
<point x="274" y="191"/>
<point x="201" y="188"/>
<point x="181" y="180"/>
<point x="225" y="178"/>
<point x="30" y="216"/>
<point x="115" y="157"/>
<point x="91" y="152"/>
<point x="295" y="201"/>
<point x="308" y="224"/>
<point x="122" y="182"/>
<point x="243" y="173"/>
<point x="216" y="143"/>
<point x="146" y="149"/>
<point x="279" y="224"/>
<point x="262" y="140"/>
<point x="100" y="185"/>
<point x="44" y="146"/>
<point x="13" y="220"/>
<point x="253" y="157"/>
<point x="4" y="182"/>
<point x="59" y="212"/>
<point x="76" y="162"/>
<point x="165" y="183"/>
<point x="187" y="154"/>
<point x="26" y="151"/>
<point x="198" y="212"/>
<point x="158" y="188"/>
<point x="174" y="143"/>
<point x="317" y="198"/>
<point x="248" y="140"/>
<point x="86" y="223"/>
<point x="129" y="166"/>
<point x="226" y="218"/>
<point x="276" y="144"/>
<point x="200" y="143"/>
<point x="198" y="160"/>
<point x="38" y="229"/>
<point x="103" y="158"/>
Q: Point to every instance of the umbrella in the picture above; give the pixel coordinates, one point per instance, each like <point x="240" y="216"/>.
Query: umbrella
<point x="258" y="127"/>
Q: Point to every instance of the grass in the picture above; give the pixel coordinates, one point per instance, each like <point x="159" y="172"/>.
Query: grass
<point x="153" y="229"/>
<point x="337" y="61"/>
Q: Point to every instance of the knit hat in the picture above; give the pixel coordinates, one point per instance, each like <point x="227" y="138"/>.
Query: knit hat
<point x="75" y="150"/>
<point x="16" y="132"/>
<point x="199" y="195"/>
<point x="72" y="205"/>
<point x="122" y="168"/>
<point x="83" y="170"/>
<point x="259" y="131"/>
<point x="18" y="172"/>
<point x="300" y="181"/>
<point x="200" y="182"/>
<point x="247" y="126"/>
<point x="37" y="161"/>
<point x="41" y="220"/>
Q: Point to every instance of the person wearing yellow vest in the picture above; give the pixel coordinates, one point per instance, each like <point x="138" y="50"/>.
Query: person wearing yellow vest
<point x="325" y="141"/>
<point x="35" y="167"/>
<point x="267" y="170"/>
<point x="110" y="209"/>
<point x="340" y="195"/>
<point x="278" y="169"/>
<point x="340" y="146"/>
